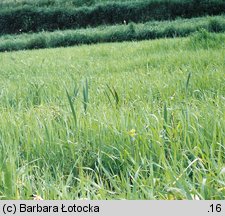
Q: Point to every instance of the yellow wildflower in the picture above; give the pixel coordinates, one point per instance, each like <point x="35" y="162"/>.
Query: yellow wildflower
<point x="132" y="133"/>
<point x="221" y="189"/>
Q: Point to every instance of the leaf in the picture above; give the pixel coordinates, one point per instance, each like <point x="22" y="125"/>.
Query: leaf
<point x="188" y="80"/>
<point x="72" y="108"/>
<point x="85" y="96"/>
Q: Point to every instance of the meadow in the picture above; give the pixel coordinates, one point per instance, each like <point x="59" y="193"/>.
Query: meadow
<point x="131" y="120"/>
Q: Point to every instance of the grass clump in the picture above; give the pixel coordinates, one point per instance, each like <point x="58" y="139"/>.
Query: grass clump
<point x="205" y="40"/>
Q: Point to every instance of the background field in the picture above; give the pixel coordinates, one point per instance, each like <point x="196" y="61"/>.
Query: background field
<point x="116" y="33"/>
<point x="65" y="117"/>
<point x="31" y="18"/>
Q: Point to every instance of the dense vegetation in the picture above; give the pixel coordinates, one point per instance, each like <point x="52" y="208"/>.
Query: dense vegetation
<point x="65" y="117"/>
<point x="34" y="19"/>
<point x="78" y="3"/>
<point x="118" y="33"/>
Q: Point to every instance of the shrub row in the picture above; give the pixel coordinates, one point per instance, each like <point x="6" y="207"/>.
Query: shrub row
<point x="50" y="3"/>
<point x="32" y="19"/>
<point x="73" y="3"/>
<point x="46" y="3"/>
<point x="118" y="33"/>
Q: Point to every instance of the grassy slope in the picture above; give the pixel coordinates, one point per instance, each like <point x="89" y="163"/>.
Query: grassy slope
<point x="179" y="148"/>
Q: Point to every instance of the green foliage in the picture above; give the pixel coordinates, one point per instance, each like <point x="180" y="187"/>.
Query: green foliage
<point x="53" y="3"/>
<point x="117" y="33"/>
<point x="215" y="25"/>
<point x="111" y="92"/>
<point x="9" y="173"/>
<point x="85" y="96"/>
<point x="72" y="108"/>
<point x="35" y="19"/>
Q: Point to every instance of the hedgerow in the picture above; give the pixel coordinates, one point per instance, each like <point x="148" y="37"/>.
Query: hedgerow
<point x="34" y="19"/>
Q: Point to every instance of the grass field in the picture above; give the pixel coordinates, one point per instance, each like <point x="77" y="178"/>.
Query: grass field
<point x="133" y="120"/>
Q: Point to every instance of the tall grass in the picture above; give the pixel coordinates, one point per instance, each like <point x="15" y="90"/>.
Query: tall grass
<point x="177" y="152"/>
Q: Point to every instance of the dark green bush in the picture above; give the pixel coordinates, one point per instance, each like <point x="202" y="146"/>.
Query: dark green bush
<point x="34" y="19"/>
<point x="215" y="25"/>
<point x="37" y="43"/>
